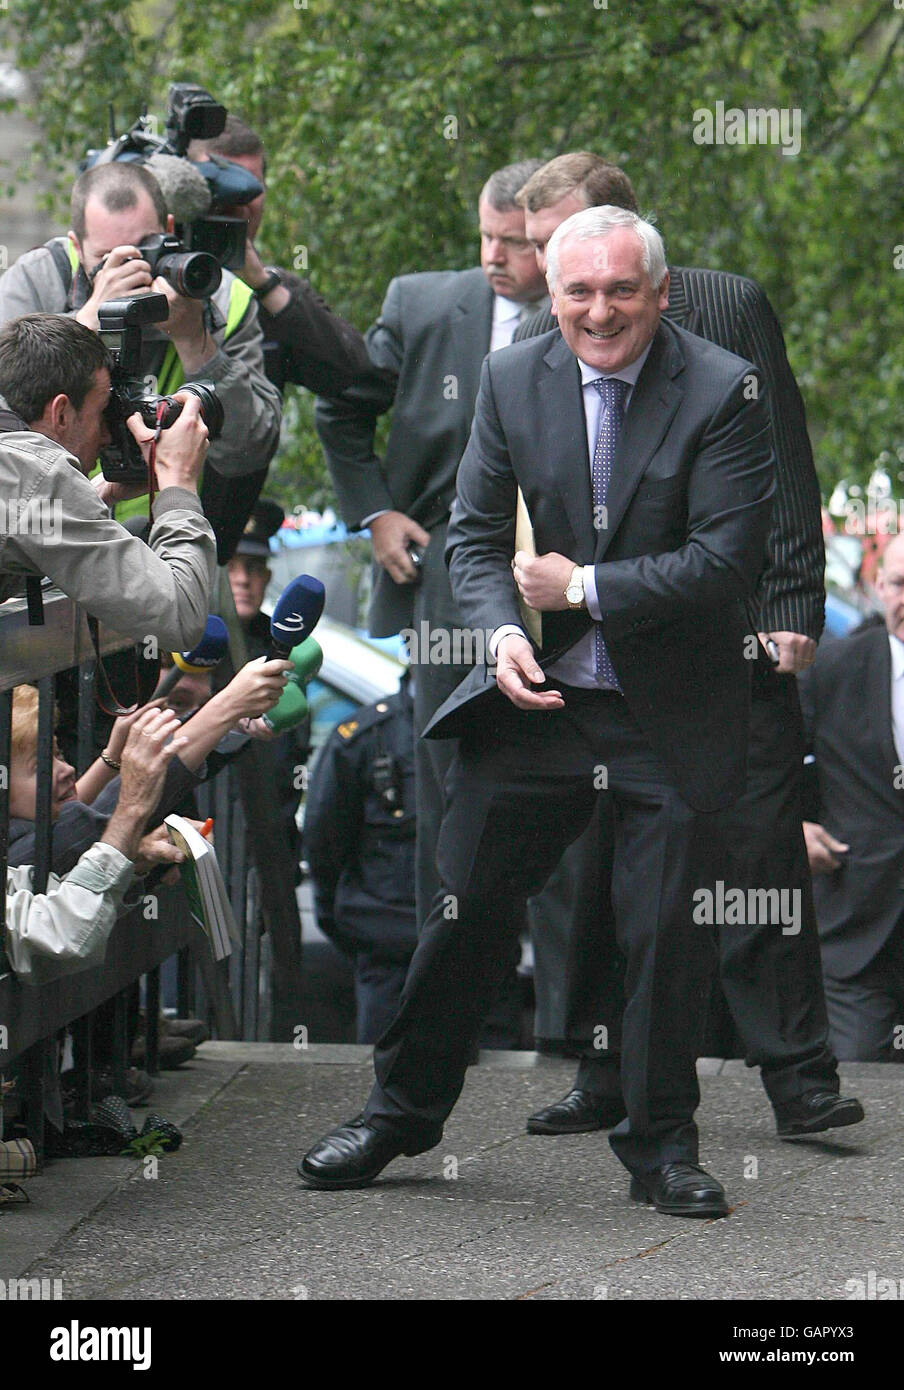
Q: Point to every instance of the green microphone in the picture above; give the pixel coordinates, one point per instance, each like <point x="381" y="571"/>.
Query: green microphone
<point x="292" y="706"/>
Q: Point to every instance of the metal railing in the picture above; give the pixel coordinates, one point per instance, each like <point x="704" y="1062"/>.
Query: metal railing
<point x="229" y="993"/>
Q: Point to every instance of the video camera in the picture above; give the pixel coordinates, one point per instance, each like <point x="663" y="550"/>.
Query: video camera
<point x="120" y="322"/>
<point x="191" y="114"/>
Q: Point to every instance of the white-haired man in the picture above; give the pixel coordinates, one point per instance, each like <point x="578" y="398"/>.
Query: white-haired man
<point x="647" y="473"/>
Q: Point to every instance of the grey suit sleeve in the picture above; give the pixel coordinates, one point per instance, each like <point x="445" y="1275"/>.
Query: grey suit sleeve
<point x="251" y="404"/>
<point x="790" y="596"/>
<point x="347" y="423"/>
<point x="480" y="541"/>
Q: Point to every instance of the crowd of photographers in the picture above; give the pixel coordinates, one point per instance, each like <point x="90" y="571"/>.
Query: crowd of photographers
<point x="142" y="362"/>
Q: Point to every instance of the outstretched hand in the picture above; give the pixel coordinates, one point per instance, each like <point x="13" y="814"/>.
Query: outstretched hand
<point x="517" y="675"/>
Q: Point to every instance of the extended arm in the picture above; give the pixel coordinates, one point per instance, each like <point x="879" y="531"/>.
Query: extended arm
<point x="162" y="591"/>
<point x="318" y="349"/>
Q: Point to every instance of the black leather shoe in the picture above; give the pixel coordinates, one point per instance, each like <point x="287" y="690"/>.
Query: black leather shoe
<point x="578" y="1113"/>
<point x="354" y="1154"/>
<point x="680" y="1189"/>
<point x="815" y="1111"/>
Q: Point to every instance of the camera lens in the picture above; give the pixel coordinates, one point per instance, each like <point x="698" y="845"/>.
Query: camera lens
<point x="194" y="274"/>
<point x="211" y="405"/>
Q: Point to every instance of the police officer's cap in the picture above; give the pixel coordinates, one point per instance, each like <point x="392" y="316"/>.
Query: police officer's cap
<point x="264" y="522"/>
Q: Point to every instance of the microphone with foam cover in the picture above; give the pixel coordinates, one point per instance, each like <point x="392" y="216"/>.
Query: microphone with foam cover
<point x="209" y="652"/>
<point x="296" y="614"/>
<point x="292" y="705"/>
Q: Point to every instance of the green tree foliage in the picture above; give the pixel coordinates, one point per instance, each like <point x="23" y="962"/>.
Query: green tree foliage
<point x="382" y="119"/>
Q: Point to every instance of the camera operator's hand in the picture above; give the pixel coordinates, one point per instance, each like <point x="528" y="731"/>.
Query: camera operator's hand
<point x="121" y="274"/>
<point x="181" y="449"/>
<point x="185" y="327"/>
<point x="255" y="276"/>
<point x="110" y="493"/>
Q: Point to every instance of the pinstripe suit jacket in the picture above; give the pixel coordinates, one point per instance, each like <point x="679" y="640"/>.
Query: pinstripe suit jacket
<point x="733" y="312"/>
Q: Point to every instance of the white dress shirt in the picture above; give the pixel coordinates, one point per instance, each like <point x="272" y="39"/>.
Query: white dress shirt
<point x="506" y="317"/>
<point x="897" y="694"/>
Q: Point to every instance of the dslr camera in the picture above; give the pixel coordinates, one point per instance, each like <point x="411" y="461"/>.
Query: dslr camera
<point x="120" y="324"/>
<point x="193" y="274"/>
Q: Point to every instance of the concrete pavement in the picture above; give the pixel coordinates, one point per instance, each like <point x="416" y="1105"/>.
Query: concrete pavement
<point x="492" y="1213"/>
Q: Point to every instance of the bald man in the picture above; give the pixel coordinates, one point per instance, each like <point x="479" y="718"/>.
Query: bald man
<point x="853" y="706"/>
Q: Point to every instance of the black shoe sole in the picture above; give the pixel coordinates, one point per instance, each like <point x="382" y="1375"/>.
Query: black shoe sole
<point x="546" y="1127"/>
<point x="327" y="1185"/>
<point x="342" y="1184"/>
<point x="717" y="1207"/>
<point x="849" y="1113"/>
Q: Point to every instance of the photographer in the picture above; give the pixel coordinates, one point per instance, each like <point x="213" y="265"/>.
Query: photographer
<point x="304" y="341"/>
<point x="54" y="385"/>
<point x="67" y="927"/>
<point x="115" y="209"/>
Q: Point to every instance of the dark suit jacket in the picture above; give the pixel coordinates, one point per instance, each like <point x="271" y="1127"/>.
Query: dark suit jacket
<point x="734" y="312"/>
<point x="428" y="343"/>
<point x="846" y="702"/>
<point x="688" y="518"/>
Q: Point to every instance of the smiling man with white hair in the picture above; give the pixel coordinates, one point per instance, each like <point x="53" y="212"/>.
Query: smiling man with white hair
<point x="646" y="468"/>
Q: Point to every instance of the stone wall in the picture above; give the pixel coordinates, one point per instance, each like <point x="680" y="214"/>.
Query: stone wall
<point x="23" y="223"/>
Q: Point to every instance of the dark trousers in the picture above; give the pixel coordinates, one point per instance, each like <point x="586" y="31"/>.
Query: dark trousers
<point x="865" y="1010"/>
<point x="772" y="980"/>
<point x="435" y="678"/>
<point x="518" y="794"/>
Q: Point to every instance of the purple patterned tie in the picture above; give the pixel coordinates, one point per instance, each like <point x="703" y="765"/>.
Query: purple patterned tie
<point x="612" y="412"/>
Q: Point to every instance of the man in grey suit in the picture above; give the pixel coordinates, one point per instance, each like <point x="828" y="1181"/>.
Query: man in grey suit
<point x="646" y="466"/>
<point x="771" y="979"/>
<point x="432" y="335"/>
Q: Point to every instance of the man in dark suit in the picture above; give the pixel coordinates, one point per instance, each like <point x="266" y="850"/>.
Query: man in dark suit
<point x="771" y="980"/>
<point x="433" y="332"/>
<point x="646" y="467"/>
<point x="853" y="705"/>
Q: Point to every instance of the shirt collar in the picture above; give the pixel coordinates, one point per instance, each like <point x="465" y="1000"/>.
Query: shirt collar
<point x="897" y="656"/>
<point x="505" y="309"/>
<point x="628" y="374"/>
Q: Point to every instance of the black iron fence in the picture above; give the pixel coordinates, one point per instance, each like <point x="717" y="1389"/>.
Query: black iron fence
<point x="255" y="993"/>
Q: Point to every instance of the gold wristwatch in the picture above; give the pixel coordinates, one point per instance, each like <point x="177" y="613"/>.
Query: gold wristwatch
<point x="574" y="594"/>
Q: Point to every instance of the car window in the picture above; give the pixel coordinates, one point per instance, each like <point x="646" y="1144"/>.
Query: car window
<point x="328" y="706"/>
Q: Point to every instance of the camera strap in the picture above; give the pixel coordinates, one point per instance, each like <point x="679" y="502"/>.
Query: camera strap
<point x="146" y="676"/>
<point x="152" y="459"/>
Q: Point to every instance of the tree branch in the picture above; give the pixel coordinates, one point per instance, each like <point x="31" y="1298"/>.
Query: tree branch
<point x="868" y="27"/>
<point x="858" y="111"/>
